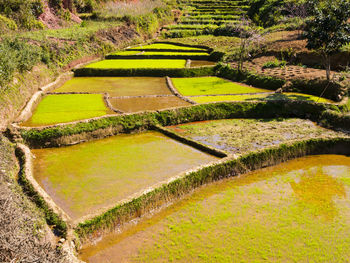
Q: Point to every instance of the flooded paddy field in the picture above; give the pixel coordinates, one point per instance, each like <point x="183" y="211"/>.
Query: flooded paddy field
<point x="201" y="63"/>
<point x="117" y="86"/>
<point x="63" y="108"/>
<point x="147" y="103"/>
<point x="90" y="176"/>
<point x="211" y="86"/>
<point x="298" y="211"/>
<point x="261" y="97"/>
<point x="243" y="135"/>
<point x="138" y="63"/>
<point x="168" y="47"/>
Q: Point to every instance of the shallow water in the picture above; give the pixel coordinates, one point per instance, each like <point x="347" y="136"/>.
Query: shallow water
<point x="201" y="63"/>
<point x="150" y="103"/>
<point x="117" y="86"/>
<point x="298" y="211"/>
<point x="239" y="136"/>
<point x="89" y="176"/>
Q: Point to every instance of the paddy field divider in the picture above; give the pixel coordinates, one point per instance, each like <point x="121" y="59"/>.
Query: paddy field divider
<point x="99" y="127"/>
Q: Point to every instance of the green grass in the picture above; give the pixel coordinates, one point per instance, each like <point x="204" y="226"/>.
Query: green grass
<point x="211" y="86"/>
<point x="138" y="63"/>
<point x="161" y="46"/>
<point x="117" y="86"/>
<point x="261" y="97"/>
<point x="90" y="176"/>
<point x="66" y="108"/>
<point x="293" y="212"/>
<point x="74" y="33"/>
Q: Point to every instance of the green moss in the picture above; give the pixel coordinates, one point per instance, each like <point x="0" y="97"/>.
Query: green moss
<point x="90" y="176"/>
<point x="211" y="86"/>
<point x="261" y="97"/>
<point x="292" y="212"/>
<point x="138" y="63"/>
<point x="123" y="86"/>
<point x="66" y="108"/>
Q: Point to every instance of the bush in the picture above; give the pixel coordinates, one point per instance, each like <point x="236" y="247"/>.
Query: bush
<point x="23" y="12"/>
<point x="7" y="24"/>
<point x="275" y="64"/>
<point x="20" y="56"/>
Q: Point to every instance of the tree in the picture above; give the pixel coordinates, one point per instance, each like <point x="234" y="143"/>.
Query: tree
<point x="328" y="29"/>
<point x="250" y="38"/>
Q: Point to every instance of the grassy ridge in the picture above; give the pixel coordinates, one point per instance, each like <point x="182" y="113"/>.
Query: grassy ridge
<point x="50" y="136"/>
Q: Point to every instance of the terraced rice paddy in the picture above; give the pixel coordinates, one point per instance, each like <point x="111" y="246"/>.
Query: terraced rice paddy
<point x="90" y="176"/>
<point x="147" y="103"/>
<point x="114" y="86"/>
<point x="62" y="108"/>
<point x="261" y="97"/>
<point x="211" y="86"/>
<point x="204" y="17"/>
<point x="201" y="63"/>
<point x="294" y="212"/>
<point x="167" y="47"/>
<point x="138" y="63"/>
<point x="239" y="136"/>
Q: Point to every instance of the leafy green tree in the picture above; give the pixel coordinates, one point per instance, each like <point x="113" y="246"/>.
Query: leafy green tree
<point x="328" y="29"/>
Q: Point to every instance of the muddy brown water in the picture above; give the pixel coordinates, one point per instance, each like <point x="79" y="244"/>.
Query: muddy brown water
<point x="201" y="63"/>
<point x="293" y="212"/>
<point x="117" y="86"/>
<point x="86" y="177"/>
<point x="147" y="103"/>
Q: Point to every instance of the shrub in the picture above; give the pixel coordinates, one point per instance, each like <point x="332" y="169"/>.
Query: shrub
<point x="23" y="12"/>
<point x="275" y="64"/>
<point x="7" y="24"/>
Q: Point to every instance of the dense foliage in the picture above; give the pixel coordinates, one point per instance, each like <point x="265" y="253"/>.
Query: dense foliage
<point x="328" y="30"/>
<point x="20" y="13"/>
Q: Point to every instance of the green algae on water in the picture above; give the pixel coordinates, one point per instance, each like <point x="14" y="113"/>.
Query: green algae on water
<point x="298" y="211"/>
<point x="86" y="177"/>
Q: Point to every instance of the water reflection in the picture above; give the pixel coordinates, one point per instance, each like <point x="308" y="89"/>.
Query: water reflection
<point x="317" y="190"/>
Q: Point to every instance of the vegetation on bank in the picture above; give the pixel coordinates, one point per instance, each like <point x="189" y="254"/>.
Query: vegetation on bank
<point x="53" y="136"/>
